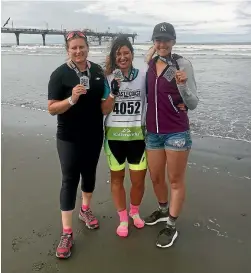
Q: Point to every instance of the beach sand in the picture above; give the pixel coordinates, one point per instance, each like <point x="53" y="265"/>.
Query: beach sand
<point x="214" y="226"/>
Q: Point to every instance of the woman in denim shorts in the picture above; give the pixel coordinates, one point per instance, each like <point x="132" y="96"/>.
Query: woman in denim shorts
<point x="170" y="82"/>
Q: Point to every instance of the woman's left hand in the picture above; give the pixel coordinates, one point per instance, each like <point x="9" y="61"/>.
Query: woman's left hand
<point x="115" y="85"/>
<point x="180" y="77"/>
<point x="182" y="107"/>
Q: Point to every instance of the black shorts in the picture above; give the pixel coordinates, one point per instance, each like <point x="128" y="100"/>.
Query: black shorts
<point x="118" y="152"/>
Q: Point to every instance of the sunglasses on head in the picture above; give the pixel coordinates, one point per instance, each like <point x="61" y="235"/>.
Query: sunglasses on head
<point x="75" y="33"/>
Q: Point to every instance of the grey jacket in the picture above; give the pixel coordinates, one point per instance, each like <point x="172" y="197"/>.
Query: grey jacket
<point x="188" y="91"/>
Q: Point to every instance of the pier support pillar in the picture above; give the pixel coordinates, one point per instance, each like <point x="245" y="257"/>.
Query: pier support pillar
<point x="133" y="40"/>
<point x="99" y="40"/>
<point x="43" y="36"/>
<point x="17" y="37"/>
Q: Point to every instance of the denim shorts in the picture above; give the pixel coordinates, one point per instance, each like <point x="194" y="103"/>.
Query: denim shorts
<point x="175" y="141"/>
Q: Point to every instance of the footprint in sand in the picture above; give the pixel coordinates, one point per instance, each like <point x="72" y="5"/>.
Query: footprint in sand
<point x="45" y="267"/>
<point x="213" y="226"/>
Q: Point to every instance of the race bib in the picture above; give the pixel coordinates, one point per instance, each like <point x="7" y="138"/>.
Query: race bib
<point x="84" y="80"/>
<point x="131" y="108"/>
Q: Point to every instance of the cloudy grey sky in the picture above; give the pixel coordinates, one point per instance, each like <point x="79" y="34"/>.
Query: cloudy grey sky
<point x="195" y="21"/>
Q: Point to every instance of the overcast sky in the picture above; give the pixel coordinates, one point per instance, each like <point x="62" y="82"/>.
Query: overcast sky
<point x="195" y="21"/>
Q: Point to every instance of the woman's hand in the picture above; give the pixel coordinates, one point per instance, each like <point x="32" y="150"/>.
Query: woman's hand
<point x="115" y="85"/>
<point x="77" y="91"/>
<point x="180" y="77"/>
<point x="182" y="107"/>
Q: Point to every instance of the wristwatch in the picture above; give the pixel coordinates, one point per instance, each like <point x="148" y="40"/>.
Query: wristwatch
<point x="70" y="101"/>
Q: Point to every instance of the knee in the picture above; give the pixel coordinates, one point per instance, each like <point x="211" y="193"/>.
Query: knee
<point x="88" y="187"/>
<point x="138" y="184"/>
<point x="70" y="181"/>
<point x="176" y="182"/>
<point x="118" y="181"/>
<point x="157" y="179"/>
<point x="68" y="196"/>
<point x="88" y="175"/>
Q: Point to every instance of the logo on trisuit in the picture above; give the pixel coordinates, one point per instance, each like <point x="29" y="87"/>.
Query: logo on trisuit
<point x="126" y="131"/>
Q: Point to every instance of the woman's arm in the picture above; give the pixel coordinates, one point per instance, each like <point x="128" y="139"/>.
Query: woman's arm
<point x="150" y="53"/>
<point x="188" y="89"/>
<point x="57" y="104"/>
<point x="56" y="107"/>
<point x="108" y="105"/>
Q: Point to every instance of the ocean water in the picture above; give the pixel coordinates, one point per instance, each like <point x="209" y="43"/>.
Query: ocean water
<point x="222" y="73"/>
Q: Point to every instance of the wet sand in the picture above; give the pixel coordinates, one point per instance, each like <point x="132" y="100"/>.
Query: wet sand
<point x="214" y="226"/>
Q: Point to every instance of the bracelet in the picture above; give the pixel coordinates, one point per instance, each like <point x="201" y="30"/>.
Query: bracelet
<point x="70" y="101"/>
<point x="111" y="95"/>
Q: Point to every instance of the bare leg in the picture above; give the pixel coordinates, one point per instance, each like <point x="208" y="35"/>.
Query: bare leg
<point x="118" y="190"/>
<point x="86" y="198"/>
<point x="67" y="219"/>
<point x="156" y="164"/>
<point x="176" y="168"/>
<point x="138" y="186"/>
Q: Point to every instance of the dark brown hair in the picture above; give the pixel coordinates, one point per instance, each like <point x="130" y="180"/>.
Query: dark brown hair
<point x="119" y="42"/>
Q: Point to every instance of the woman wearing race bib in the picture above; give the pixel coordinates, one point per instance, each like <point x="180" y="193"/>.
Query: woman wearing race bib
<point x="124" y="106"/>
<point x="170" y="82"/>
<point x="74" y="94"/>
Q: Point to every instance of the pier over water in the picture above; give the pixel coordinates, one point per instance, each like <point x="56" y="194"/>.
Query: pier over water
<point x="44" y="32"/>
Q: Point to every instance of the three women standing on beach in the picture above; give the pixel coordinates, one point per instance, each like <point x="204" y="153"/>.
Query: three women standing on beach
<point x="170" y="84"/>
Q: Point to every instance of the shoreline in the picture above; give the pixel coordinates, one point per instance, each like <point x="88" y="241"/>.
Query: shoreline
<point x="214" y="225"/>
<point x="194" y="135"/>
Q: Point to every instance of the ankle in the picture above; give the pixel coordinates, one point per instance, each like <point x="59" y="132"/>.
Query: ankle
<point x="163" y="206"/>
<point x="85" y="207"/>
<point x="123" y="216"/>
<point x="134" y="209"/>
<point x="171" y="220"/>
<point x="67" y="230"/>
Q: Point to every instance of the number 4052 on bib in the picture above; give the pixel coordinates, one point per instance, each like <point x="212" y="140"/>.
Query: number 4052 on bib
<point x="129" y="107"/>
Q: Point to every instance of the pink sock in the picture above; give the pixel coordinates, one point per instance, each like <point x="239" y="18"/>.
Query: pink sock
<point x="134" y="214"/>
<point x="134" y="209"/>
<point x="122" y="229"/>
<point x="123" y="216"/>
<point x="85" y="207"/>
<point x="67" y="230"/>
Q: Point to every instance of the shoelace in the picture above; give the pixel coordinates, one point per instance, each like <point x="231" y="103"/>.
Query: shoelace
<point x="65" y="240"/>
<point x="155" y="213"/>
<point x="168" y="231"/>
<point x="89" y="216"/>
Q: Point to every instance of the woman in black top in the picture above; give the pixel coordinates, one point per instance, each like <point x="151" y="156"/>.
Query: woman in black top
<point x="74" y="94"/>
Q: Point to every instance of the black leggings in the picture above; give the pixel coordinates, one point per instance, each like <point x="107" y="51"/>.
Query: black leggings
<point x="77" y="159"/>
